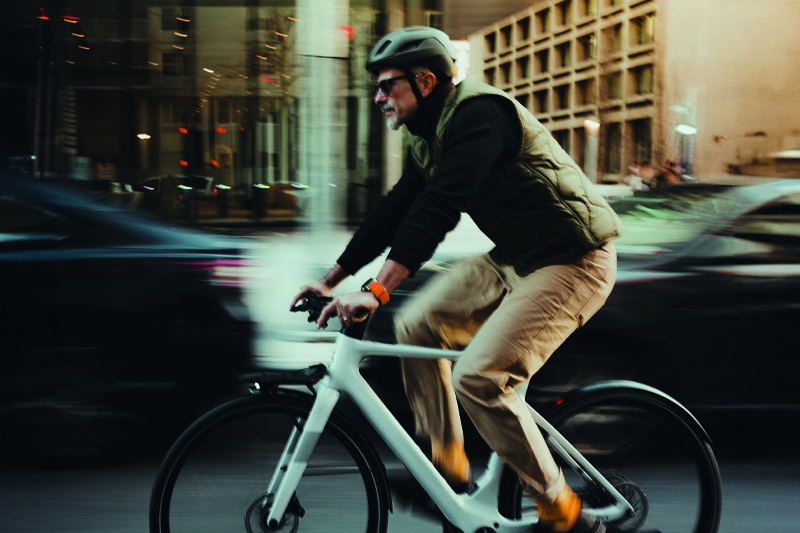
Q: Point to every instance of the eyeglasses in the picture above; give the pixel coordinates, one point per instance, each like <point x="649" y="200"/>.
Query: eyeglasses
<point x="385" y="86"/>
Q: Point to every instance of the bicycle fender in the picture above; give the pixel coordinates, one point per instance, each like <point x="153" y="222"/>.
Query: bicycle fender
<point x="622" y="390"/>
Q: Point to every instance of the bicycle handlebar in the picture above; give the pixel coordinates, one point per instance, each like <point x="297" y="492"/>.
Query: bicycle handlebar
<point x="313" y="304"/>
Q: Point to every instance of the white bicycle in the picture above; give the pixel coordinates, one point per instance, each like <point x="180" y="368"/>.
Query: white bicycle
<point x="287" y="458"/>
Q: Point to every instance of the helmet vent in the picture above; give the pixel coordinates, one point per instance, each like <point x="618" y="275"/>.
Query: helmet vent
<point x="384" y="46"/>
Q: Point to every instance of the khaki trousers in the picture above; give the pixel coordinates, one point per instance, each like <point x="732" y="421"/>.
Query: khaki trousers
<point x="507" y="326"/>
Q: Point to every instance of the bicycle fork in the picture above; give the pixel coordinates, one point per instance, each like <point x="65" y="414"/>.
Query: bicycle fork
<point x="297" y="452"/>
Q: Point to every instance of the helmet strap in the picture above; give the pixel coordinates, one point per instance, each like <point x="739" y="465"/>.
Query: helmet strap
<point x="412" y="80"/>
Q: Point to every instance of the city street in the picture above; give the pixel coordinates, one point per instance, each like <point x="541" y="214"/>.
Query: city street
<point x="760" y="494"/>
<point x="761" y="484"/>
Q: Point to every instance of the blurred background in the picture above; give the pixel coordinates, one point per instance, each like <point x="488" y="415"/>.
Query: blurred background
<point x="172" y="170"/>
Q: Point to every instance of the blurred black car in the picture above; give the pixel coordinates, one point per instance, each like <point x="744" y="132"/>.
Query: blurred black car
<point x="706" y="306"/>
<point x="110" y="323"/>
<point x="707" y="299"/>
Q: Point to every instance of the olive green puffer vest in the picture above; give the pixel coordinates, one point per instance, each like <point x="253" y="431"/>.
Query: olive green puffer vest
<point x="539" y="209"/>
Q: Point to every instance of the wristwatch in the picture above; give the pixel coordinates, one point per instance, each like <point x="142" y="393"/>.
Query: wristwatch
<point x="377" y="290"/>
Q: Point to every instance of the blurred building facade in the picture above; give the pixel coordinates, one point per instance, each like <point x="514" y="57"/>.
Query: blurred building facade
<point x="262" y="93"/>
<point x="244" y="91"/>
<point x="710" y="85"/>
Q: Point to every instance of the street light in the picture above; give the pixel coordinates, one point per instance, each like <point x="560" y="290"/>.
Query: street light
<point x="144" y="137"/>
<point x="592" y="127"/>
<point x="687" y="134"/>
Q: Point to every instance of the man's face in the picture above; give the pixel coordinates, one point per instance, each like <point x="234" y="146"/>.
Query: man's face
<point x="400" y="105"/>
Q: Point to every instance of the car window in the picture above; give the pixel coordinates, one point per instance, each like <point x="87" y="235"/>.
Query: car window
<point x="660" y="221"/>
<point x="21" y="220"/>
<point x="775" y="225"/>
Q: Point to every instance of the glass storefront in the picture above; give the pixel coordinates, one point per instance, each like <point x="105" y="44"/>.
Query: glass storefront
<point x="268" y="100"/>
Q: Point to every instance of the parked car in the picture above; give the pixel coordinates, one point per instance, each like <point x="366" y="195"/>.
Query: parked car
<point x="706" y="305"/>
<point x="174" y="195"/>
<point x="201" y="185"/>
<point x="109" y="321"/>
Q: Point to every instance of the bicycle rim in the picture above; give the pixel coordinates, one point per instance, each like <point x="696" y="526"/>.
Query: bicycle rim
<point x="664" y="468"/>
<point x="215" y="477"/>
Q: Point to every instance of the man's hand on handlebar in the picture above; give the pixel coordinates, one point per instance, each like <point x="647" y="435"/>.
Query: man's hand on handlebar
<point x="351" y="307"/>
<point x="315" y="287"/>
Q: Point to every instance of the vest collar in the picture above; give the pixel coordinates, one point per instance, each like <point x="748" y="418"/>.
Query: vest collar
<point x="430" y="108"/>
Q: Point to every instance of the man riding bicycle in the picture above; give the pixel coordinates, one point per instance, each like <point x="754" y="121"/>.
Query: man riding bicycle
<point x="475" y="150"/>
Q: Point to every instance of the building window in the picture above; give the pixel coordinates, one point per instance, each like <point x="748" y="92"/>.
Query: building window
<point x="434" y="19"/>
<point x="564" y="54"/>
<point x="585" y="92"/>
<point x="613" y="148"/>
<point x="641" y="133"/>
<point x="173" y="112"/>
<point x="225" y="112"/>
<point x="562" y="138"/>
<point x="174" y="20"/>
<point x="540" y="102"/>
<point x="612" y="38"/>
<point x="564" y="13"/>
<point x="588" y="7"/>
<point x="524" y="29"/>
<point x="587" y="47"/>
<point x="176" y="64"/>
<point x="505" y="37"/>
<point x="543" y="21"/>
<point x="505" y="73"/>
<point x="523" y="68"/>
<point x="489" y="76"/>
<point x="644" y="29"/>
<point x="542" y="61"/>
<point x="561" y="94"/>
<point x="491" y="43"/>
<point x="643" y="79"/>
<point x="613" y="86"/>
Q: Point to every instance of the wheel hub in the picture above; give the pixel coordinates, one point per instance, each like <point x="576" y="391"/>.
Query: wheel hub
<point x="255" y="519"/>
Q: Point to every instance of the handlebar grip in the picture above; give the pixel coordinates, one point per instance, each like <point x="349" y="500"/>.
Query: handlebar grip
<point x="313" y="304"/>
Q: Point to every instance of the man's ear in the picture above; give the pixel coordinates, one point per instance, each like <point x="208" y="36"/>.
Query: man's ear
<point x="426" y="83"/>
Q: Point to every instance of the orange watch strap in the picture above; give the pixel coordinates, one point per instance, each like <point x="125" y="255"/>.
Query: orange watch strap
<point x="378" y="290"/>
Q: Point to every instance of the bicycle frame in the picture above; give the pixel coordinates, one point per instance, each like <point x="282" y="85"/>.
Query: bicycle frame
<point x="468" y="512"/>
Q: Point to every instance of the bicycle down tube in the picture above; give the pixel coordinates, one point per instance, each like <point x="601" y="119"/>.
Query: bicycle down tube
<point x="465" y="511"/>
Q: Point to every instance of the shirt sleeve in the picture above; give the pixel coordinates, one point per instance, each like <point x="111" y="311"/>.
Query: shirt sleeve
<point x="379" y="228"/>
<point x="483" y="133"/>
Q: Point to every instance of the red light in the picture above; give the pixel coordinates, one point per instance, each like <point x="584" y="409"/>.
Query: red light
<point x="222" y="130"/>
<point x="183" y="130"/>
<point x="214" y="163"/>
<point x="215" y="190"/>
<point x="184" y="163"/>
<point x="559" y="400"/>
<point x="348" y="32"/>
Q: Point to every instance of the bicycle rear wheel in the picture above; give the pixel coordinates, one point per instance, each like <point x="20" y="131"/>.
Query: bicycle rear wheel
<point x="650" y="449"/>
<point x="215" y="476"/>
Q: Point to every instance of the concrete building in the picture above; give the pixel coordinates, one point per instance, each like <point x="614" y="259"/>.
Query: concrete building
<point x="709" y="84"/>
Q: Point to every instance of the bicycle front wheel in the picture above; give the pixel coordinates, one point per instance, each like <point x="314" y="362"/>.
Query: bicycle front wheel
<point x="215" y="477"/>
<point x="650" y="449"/>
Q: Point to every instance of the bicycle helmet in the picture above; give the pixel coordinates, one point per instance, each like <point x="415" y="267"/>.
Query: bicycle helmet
<point x="414" y="45"/>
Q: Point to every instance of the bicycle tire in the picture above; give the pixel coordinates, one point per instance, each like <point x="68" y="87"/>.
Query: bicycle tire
<point x="648" y="446"/>
<point x="214" y="477"/>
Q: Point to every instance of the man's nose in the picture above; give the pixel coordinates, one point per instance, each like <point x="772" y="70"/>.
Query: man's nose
<point x="379" y="97"/>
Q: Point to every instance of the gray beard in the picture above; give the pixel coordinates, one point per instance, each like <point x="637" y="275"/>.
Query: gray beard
<point x="392" y="124"/>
